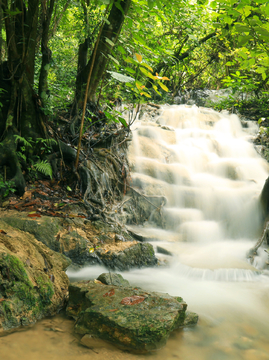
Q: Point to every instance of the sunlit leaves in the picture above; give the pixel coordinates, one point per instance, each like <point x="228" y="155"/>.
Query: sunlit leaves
<point x="120" y="77"/>
<point x="138" y="57"/>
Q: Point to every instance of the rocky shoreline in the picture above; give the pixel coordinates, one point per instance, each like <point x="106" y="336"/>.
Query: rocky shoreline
<point x="33" y="283"/>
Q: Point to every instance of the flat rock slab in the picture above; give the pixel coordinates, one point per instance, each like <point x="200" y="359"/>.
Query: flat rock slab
<point x="130" y="318"/>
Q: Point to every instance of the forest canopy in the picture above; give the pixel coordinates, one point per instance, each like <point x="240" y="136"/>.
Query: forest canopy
<point x="64" y="55"/>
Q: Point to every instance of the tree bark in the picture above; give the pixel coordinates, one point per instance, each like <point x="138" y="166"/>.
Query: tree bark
<point x="43" y="89"/>
<point x="111" y="31"/>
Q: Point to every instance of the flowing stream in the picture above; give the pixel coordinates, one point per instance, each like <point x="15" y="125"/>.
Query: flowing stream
<point x="211" y="176"/>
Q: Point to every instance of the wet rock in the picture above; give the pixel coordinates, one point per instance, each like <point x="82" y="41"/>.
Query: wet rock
<point x="163" y="251"/>
<point x="85" y="243"/>
<point x="190" y="319"/>
<point x="136" y="255"/>
<point x="33" y="283"/>
<point x="113" y="279"/>
<point x="130" y="318"/>
<point x="56" y="235"/>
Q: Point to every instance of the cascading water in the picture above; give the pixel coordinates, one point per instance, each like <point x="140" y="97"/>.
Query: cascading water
<point x="211" y="176"/>
<point x="207" y="168"/>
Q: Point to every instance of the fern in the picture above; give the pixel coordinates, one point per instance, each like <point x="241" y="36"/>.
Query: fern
<point x="44" y="167"/>
<point x="23" y="140"/>
<point x="47" y="142"/>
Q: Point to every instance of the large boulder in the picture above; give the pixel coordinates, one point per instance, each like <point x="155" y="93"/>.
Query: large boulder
<point x="130" y="318"/>
<point x="85" y="242"/>
<point x="33" y="283"/>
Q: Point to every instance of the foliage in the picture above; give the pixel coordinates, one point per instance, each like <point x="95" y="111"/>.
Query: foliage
<point x="45" y="146"/>
<point x="254" y="108"/>
<point x="44" y="167"/>
<point x="6" y="187"/>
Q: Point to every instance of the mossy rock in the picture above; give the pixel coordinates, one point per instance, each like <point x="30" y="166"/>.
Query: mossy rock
<point x="33" y="283"/>
<point x="130" y="318"/>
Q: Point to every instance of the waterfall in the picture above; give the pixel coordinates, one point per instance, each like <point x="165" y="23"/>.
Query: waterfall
<point x="205" y="165"/>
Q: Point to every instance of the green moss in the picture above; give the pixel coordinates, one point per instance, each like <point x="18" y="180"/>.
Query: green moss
<point x="45" y="290"/>
<point x="22" y="294"/>
<point x="13" y="269"/>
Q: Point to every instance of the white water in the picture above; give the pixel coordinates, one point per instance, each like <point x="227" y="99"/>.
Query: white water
<point x="211" y="175"/>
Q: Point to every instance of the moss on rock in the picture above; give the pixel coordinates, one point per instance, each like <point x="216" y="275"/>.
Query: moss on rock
<point x="33" y="283"/>
<point x="130" y="318"/>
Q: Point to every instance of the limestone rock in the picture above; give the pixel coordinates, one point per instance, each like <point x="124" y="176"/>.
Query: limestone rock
<point x="33" y="283"/>
<point x="136" y="255"/>
<point x="130" y="318"/>
<point x="85" y="242"/>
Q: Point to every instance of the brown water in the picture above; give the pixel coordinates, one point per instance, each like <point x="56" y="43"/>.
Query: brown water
<point x="211" y="176"/>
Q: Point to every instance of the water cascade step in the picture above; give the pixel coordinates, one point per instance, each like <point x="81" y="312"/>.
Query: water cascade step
<point x="206" y="166"/>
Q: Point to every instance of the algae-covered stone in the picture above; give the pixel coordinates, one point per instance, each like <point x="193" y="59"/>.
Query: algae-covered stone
<point x="131" y="318"/>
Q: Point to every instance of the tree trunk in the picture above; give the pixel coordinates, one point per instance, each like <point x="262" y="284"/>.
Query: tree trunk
<point x="20" y="112"/>
<point x="110" y="31"/>
<point x="43" y="89"/>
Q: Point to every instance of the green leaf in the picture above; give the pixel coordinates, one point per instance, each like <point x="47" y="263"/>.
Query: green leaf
<point x="44" y="167"/>
<point x="146" y="72"/>
<point x="120" y="77"/>
<point x="156" y="89"/>
<point x="109" y="42"/>
<point x="129" y="70"/>
<point x="117" y="4"/>
<point x="128" y="59"/>
<point x="121" y="50"/>
<point x="165" y="88"/>
<point x="68" y="188"/>
<point x="124" y="123"/>
<point x="147" y="66"/>
<point x="113" y="59"/>
<point x="150" y="3"/>
<point x="139" y="39"/>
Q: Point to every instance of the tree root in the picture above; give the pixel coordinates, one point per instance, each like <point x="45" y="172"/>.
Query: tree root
<point x="9" y="157"/>
<point x="253" y="251"/>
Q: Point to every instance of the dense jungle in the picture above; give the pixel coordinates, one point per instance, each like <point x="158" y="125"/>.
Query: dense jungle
<point x="88" y="92"/>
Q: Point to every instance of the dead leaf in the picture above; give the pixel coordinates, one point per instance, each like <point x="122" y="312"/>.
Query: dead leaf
<point x="98" y="282"/>
<point x="132" y="300"/>
<point x="3" y="232"/>
<point x="113" y="310"/>
<point x="2" y="299"/>
<point x="34" y="215"/>
<point x="27" y="194"/>
<point x="109" y="293"/>
<point x="40" y="192"/>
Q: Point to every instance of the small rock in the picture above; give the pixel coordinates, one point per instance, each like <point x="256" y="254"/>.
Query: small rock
<point x="163" y="251"/>
<point x="113" y="279"/>
<point x="92" y="342"/>
<point x="119" y="238"/>
<point x="190" y="319"/>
